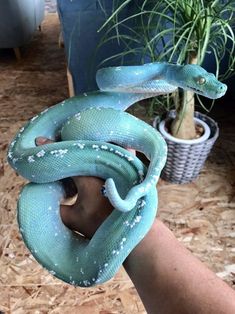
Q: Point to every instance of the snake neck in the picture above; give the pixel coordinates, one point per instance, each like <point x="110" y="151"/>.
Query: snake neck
<point x="173" y="74"/>
<point x="134" y="83"/>
<point x="126" y="78"/>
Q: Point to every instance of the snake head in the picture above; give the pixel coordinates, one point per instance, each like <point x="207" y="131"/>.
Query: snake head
<point x="194" y="78"/>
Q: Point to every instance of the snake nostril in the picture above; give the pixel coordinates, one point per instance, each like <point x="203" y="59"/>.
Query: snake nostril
<point x="222" y="88"/>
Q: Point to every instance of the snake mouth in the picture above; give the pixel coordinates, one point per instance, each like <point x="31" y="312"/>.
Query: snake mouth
<point x="198" y="91"/>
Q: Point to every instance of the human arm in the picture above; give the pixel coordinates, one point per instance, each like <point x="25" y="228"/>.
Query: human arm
<point x="169" y="279"/>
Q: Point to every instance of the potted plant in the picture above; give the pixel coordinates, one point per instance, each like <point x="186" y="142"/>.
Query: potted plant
<point x="186" y="32"/>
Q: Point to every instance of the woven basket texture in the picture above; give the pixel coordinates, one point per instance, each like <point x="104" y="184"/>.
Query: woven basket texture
<point x="185" y="161"/>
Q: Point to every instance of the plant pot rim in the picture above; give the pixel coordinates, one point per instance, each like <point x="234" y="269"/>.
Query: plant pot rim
<point x="204" y="137"/>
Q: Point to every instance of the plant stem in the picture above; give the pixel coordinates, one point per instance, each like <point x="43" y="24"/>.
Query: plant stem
<point x="183" y="126"/>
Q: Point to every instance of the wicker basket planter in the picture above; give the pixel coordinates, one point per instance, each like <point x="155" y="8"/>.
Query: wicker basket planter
<point x="186" y="158"/>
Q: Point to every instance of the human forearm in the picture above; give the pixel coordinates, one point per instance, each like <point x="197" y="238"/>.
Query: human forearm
<point x="169" y="279"/>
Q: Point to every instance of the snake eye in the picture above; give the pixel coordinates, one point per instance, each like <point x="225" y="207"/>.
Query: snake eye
<point x="201" y="80"/>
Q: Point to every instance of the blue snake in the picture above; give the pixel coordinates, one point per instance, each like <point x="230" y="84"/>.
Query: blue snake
<point x="87" y="125"/>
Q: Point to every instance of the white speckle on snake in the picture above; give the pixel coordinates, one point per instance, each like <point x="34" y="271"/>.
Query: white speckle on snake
<point x="34" y="118"/>
<point x="31" y="159"/>
<point x="78" y="116"/>
<point x="41" y="153"/>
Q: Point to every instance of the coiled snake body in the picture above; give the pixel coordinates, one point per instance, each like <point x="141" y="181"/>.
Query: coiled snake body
<point x="87" y="124"/>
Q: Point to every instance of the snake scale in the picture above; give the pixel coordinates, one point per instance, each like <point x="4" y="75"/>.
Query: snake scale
<point x="87" y="125"/>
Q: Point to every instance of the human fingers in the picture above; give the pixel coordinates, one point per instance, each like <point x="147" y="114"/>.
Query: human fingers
<point x="42" y="140"/>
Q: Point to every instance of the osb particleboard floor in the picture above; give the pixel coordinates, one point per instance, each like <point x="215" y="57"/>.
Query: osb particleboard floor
<point x="201" y="214"/>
